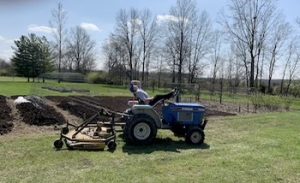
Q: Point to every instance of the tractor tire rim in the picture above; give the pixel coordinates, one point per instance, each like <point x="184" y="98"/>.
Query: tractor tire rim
<point x="142" y="131"/>
<point x="196" y="137"/>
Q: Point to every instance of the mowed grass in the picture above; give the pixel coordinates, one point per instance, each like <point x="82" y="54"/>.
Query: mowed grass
<point x="11" y="86"/>
<point x="19" y="86"/>
<point x="254" y="148"/>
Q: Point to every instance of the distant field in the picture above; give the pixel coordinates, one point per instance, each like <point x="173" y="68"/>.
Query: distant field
<point x="255" y="148"/>
<point x="10" y="86"/>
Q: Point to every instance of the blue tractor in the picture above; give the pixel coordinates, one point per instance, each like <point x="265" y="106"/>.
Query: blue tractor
<point x="140" y="124"/>
<point x="184" y="119"/>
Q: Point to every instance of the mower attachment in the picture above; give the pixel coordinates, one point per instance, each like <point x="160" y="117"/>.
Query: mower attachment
<point x="88" y="135"/>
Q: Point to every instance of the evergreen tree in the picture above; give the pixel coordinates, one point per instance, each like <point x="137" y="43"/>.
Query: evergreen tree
<point x="32" y="56"/>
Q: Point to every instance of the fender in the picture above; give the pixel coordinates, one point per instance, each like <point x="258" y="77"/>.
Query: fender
<point x="148" y="110"/>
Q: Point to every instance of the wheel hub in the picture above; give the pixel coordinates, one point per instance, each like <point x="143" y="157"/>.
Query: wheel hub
<point x="142" y="131"/>
<point x="196" y="137"/>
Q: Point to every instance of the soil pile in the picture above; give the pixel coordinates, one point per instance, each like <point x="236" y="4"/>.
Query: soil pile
<point x="5" y="119"/>
<point x="37" y="112"/>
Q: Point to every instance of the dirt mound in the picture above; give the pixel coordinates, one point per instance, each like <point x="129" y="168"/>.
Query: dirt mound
<point x="5" y="119"/>
<point x="37" y="112"/>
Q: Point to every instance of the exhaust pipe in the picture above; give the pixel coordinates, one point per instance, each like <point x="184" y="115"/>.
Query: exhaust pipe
<point x="204" y="124"/>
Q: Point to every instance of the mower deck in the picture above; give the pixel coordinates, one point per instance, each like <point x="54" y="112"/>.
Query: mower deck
<point x="88" y="139"/>
<point x="89" y="135"/>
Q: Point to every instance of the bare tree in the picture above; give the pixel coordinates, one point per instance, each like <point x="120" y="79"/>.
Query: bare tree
<point x="240" y="51"/>
<point x="200" y="44"/>
<point x="147" y="29"/>
<point x="234" y="71"/>
<point x="179" y="29"/>
<point x="221" y="80"/>
<point x="230" y="71"/>
<point x="58" y="21"/>
<point x="127" y="31"/>
<point x="81" y="50"/>
<point x="170" y="56"/>
<point x="215" y="58"/>
<point x="281" y="31"/>
<point x="290" y="53"/>
<point x="250" y="22"/>
<point x="115" y="59"/>
<point x="293" y="66"/>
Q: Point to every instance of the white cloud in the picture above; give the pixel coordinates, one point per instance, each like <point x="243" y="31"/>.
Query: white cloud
<point x="40" y="29"/>
<point x="89" y="27"/>
<point x="6" y="54"/>
<point x="6" y="41"/>
<point x="136" y="21"/>
<point x="6" y="50"/>
<point x="166" y="18"/>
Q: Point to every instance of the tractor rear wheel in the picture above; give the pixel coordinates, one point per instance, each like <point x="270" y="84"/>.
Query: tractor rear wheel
<point x="195" y="136"/>
<point x="141" y="130"/>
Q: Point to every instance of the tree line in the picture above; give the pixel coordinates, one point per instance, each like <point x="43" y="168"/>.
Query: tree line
<point x="247" y="44"/>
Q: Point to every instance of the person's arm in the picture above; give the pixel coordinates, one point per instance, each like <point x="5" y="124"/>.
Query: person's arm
<point x="142" y="95"/>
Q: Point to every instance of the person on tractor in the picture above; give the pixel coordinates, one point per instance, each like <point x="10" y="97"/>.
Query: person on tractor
<point x="144" y="98"/>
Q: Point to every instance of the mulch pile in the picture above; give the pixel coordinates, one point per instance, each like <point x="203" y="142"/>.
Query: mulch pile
<point x="39" y="113"/>
<point x="5" y="118"/>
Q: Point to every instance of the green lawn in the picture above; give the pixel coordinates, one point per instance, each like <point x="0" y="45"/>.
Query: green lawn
<point x="255" y="148"/>
<point x="10" y="86"/>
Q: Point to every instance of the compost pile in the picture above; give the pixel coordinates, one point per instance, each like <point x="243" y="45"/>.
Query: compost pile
<point x="5" y="119"/>
<point x="35" y="111"/>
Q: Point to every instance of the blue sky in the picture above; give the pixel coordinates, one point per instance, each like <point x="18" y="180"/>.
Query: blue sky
<point x="19" y="17"/>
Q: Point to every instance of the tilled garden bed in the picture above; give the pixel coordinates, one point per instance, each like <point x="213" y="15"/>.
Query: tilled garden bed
<point x="5" y="117"/>
<point x="37" y="112"/>
<point x="118" y="104"/>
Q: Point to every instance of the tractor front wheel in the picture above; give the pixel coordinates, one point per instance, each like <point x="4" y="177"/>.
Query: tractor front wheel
<point x="195" y="136"/>
<point x="58" y="144"/>
<point x="141" y="130"/>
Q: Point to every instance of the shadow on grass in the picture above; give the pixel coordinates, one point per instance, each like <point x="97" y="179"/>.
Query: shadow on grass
<point x="166" y="144"/>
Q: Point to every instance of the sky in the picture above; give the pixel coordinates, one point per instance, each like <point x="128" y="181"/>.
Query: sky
<point x="21" y="17"/>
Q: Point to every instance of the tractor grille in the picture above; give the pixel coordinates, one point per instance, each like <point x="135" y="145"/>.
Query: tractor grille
<point x="185" y="116"/>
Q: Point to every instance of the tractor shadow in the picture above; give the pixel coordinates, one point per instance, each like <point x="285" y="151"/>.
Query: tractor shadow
<point x="165" y="144"/>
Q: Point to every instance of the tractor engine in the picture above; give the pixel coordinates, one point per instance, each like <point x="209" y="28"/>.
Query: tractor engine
<point x="183" y="114"/>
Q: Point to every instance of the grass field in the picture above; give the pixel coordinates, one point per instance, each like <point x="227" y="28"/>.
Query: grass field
<point x="10" y="86"/>
<point x="255" y="148"/>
